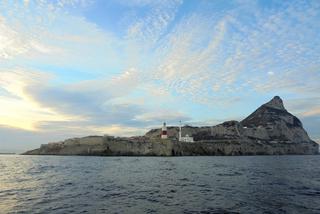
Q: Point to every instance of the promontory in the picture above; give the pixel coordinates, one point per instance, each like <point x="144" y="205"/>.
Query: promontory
<point x="270" y="130"/>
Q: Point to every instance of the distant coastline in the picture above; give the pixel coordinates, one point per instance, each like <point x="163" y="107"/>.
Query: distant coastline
<point x="270" y="130"/>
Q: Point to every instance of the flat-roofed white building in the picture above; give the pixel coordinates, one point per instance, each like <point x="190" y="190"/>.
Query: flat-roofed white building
<point x="186" y="138"/>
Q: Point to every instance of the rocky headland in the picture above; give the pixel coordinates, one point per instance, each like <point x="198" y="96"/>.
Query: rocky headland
<point x="270" y="130"/>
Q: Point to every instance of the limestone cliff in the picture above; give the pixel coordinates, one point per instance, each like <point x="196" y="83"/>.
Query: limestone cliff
<point x="272" y="122"/>
<point x="269" y="130"/>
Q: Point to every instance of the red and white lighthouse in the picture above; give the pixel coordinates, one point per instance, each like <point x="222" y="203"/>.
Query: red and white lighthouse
<point x="164" y="134"/>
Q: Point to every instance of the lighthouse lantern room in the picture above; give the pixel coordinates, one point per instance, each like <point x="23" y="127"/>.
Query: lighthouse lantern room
<point x="164" y="134"/>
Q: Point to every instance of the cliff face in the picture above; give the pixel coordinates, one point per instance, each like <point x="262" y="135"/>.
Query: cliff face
<point x="272" y="122"/>
<point x="106" y="146"/>
<point x="269" y="130"/>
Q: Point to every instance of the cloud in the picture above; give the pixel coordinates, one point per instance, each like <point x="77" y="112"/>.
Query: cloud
<point x="95" y="104"/>
<point x="84" y="105"/>
<point x="20" y="140"/>
<point x="200" y="57"/>
<point x="98" y="103"/>
<point x="10" y="43"/>
<point x="304" y="107"/>
<point x="58" y="4"/>
<point x="277" y="43"/>
<point x="19" y="109"/>
<point x="149" y="28"/>
<point x="85" y="128"/>
<point x="307" y="110"/>
<point x="84" y="99"/>
<point x="166" y="115"/>
<point x="46" y="35"/>
<point x="185" y="66"/>
<point x="13" y="44"/>
<point x="206" y="59"/>
<point x="146" y="30"/>
<point x="312" y="112"/>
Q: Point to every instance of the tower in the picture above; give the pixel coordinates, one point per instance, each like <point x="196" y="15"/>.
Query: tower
<point x="180" y="131"/>
<point x="186" y="138"/>
<point x="164" y="134"/>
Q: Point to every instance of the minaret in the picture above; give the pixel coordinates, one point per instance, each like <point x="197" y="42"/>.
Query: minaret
<point x="180" y="131"/>
<point x="164" y="134"/>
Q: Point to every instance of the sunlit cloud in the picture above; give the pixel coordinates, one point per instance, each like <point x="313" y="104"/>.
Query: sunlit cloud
<point x="305" y="107"/>
<point x="312" y="112"/>
<point x="19" y="110"/>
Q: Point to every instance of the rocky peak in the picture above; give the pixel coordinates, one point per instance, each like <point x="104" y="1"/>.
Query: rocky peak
<point x="276" y="103"/>
<point x="271" y="113"/>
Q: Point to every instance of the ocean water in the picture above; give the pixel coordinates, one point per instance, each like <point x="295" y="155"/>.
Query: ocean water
<point x="246" y="184"/>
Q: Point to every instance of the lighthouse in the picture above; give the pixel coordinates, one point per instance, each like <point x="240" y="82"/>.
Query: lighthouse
<point x="164" y="134"/>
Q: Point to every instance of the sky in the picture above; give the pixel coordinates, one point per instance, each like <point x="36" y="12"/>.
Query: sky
<point x="71" y="68"/>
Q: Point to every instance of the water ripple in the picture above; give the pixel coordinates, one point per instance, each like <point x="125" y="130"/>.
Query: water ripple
<point x="51" y="184"/>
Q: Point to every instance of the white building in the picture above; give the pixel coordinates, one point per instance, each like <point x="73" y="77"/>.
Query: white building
<point x="186" y="138"/>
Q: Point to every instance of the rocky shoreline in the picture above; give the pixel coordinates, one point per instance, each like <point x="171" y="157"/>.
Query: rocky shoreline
<point x="125" y="147"/>
<point x="270" y="130"/>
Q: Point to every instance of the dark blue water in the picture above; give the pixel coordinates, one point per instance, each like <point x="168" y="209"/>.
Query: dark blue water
<point x="256" y="184"/>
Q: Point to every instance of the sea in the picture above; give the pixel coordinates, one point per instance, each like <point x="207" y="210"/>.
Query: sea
<point x="198" y="184"/>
